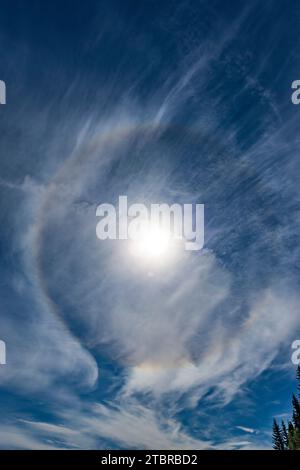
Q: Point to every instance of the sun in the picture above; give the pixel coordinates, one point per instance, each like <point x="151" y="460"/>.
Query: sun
<point x="153" y="244"/>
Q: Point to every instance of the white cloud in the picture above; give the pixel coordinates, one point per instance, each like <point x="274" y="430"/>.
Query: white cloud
<point x="245" y="429"/>
<point x="13" y="437"/>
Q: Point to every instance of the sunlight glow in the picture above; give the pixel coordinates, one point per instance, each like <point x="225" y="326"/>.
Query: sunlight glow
<point x="153" y="244"/>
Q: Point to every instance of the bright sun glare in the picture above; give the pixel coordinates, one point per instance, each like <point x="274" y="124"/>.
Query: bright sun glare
<point x="153" y="244"/>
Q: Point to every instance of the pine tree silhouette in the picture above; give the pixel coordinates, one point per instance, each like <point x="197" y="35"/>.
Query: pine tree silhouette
<point x="285" y="435"/>
<point x="290" y="426"/>
<point x="277" y="437"/>
<point x="288" y="438"/>
<point x="296" y="412"/>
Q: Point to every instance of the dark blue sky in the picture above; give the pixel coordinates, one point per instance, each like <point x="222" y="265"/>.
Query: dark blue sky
<point x="176" y="101"/>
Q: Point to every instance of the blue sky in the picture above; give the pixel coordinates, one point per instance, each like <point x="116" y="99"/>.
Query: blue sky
<point x="175" y="101"/>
